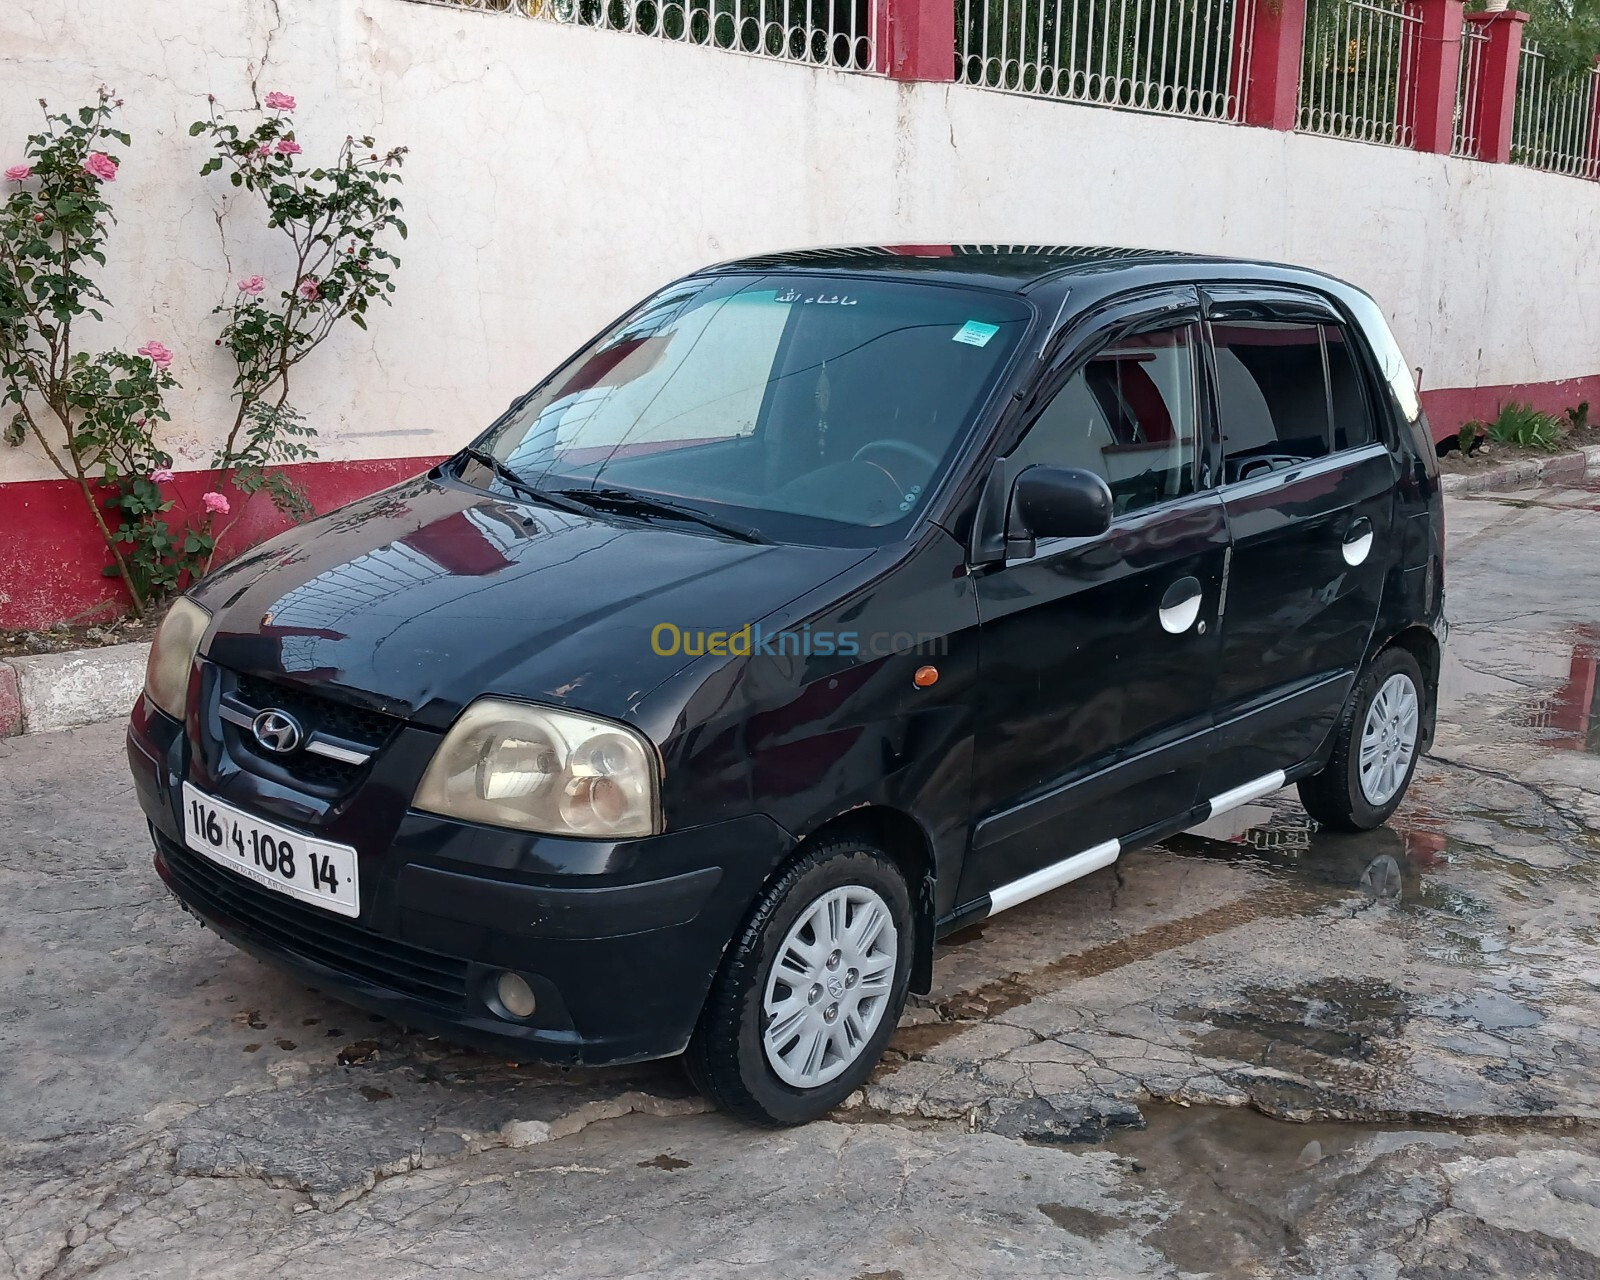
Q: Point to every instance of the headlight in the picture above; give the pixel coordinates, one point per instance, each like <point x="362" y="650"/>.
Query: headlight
<point x="166" y="674"/>
<point x="539" y="769"/>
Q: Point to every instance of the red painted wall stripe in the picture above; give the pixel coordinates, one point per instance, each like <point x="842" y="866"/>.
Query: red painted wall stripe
<point x="52" y="553"/>
<point x="1448" y="408"/>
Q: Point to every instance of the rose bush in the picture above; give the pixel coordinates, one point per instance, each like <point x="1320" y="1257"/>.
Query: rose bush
<point x="92" y="416"/>
<point x="336" y="218"/>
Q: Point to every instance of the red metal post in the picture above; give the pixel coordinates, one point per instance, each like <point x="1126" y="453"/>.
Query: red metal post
<point x="916" y="39"/>
<point x="1438" y="69"/>
<point x="1497" y="84"/>
<point x="1275" y="33"/>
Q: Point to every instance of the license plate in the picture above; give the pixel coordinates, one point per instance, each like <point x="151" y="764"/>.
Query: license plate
<point x="315" y="871"/>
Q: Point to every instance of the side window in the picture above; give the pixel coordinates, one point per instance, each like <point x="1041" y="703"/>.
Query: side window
<point x="1272" y="391"/>
<point x="1352" y="417"/>
<point x="1128" y="415"/>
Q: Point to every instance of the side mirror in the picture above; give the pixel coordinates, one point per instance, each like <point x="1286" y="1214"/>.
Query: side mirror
<point x="1056" y="502"/>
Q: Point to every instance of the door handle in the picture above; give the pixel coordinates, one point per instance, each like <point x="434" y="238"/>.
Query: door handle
<point x="1357" y="541"/>
<point x="1180" y="606"/>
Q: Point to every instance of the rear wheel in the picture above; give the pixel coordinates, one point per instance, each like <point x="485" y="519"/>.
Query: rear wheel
<point x="810" y="991"/>
<point x="1376" y="746"/>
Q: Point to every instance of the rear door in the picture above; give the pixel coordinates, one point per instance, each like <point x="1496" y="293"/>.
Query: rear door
<point x="1308" y="488"/>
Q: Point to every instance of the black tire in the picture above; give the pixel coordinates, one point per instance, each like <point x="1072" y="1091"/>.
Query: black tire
<point x="726" y="1059"/>
<point x="1334" y="797"/>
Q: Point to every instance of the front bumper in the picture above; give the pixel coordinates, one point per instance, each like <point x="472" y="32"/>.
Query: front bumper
<point x="618" y="941"/>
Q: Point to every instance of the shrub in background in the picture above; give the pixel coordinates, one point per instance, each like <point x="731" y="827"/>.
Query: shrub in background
<point x="93" y="415"/>
<point x="334" y="218"/>
<point x="1522" y="424"/>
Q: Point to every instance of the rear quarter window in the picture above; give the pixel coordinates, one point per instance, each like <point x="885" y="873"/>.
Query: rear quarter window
<point x="1398" y="379"/>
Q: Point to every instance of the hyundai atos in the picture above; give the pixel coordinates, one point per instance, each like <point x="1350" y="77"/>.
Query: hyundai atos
<point x="825" y="603"/>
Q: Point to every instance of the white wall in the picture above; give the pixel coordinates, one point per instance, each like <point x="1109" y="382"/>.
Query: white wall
<point x="558" y="174"/>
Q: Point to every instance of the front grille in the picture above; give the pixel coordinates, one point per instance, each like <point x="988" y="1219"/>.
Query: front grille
<point x="285" y="925"/>
<point x="317" y="714"/>
<point x="357" y="724"/>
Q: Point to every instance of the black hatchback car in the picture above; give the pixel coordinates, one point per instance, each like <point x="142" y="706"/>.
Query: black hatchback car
<point x="825" y="603"/>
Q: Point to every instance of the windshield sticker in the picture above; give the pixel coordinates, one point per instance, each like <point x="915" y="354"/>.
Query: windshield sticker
<point x="818" y="299"/>
<point x="976" y="334"/>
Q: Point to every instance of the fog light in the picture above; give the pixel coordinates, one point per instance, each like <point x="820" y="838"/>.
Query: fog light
<point x="516" y="996"/>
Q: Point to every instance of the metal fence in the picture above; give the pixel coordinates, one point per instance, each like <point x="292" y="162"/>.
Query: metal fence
<point x="1358" y="78"/>
<point x="1177" y="57"/>
<point x="1553" y="126"/>
<point x="1469" y="83"/>
<point x="835" y="33"/>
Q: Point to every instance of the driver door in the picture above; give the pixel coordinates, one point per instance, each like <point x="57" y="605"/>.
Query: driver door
<point x="1097" y="655"/>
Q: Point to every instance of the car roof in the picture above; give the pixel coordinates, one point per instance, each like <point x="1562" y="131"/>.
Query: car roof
<point x="1021" y="268"/>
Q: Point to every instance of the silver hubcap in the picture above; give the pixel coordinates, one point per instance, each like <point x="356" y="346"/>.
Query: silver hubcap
<point x="829" y="986"/>
<point x="1389" y="739"/>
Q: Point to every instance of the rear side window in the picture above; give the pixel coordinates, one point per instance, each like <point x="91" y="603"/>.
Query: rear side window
<point x="1272" y="391"/>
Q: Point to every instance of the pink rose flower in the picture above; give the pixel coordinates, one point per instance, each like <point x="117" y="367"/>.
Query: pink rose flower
<point x="263" y="151"/>
<point x="288" y="147"/>
<point x="18" y="173"/>
<point x="100" y="165"/>
<point x="214" y="501"/>
<point x="253" y="286"/>
<point x="157" y="354"/>
<point x="280" y="102"/>
<point x="310" y="290"/>
<point x="162" y="475"/>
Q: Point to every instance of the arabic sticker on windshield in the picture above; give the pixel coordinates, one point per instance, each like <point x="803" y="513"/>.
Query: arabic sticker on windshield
<point x="976" y="334"/>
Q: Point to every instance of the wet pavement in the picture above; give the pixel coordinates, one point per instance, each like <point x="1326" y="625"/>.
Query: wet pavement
<point x="1259" y="1049"/>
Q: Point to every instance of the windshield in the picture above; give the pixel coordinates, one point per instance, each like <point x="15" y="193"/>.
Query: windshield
<point x="807" y="408"/>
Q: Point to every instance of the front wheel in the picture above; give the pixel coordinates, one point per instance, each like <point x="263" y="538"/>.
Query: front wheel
<point x="1376" y="746"/>
<point x="811" y="989"/>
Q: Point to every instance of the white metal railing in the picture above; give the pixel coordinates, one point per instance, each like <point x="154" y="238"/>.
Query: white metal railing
<point x="1469" y="84"/>
<point x="1553" y="125"/>
<point x="1177" y="57"/>
<point x="833" y="33"/>
<point x="1358" y="79"/>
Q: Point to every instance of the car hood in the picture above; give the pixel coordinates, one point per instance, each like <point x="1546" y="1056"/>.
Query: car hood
<point x="422" y="597"/>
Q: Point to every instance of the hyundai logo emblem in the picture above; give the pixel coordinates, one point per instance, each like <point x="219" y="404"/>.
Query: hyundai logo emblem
<point x="277" y="731"/>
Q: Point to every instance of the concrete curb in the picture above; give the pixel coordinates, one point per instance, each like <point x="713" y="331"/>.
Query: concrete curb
<point x="48" y="691"/>
<point x="1530" y="471"/>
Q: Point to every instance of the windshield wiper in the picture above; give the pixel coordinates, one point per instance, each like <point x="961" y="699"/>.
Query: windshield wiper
<point x="626" y="502"/>
<point x="526" y="488"/>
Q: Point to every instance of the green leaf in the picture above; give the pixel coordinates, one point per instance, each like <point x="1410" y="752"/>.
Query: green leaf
<point x="197" y="128"/>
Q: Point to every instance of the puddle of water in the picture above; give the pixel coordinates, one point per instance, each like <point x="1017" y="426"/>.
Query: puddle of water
<point x="1386" y="865"/>
<point x="1307" y="1030"/>
<point x="1567" y="718"/>
<point x="1245" y="1181"/>
<point x="1492" y="1011"/>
